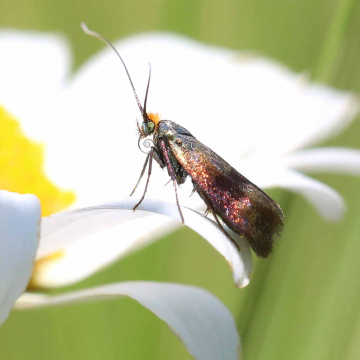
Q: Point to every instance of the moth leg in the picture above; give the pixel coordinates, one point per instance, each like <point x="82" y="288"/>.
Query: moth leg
<point x="172" y="173"/>
<point x="150" y="158"/>
<point x="142" y="173"/>
<point x="210" y="207"/>
<point x="225" y="232"/>
<point x="192" y="192"/>
<point x="177" y="202"/>
<point x="207" y="211"/>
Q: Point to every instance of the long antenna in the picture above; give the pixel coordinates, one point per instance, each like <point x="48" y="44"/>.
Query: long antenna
<point x="147" y="90"/>
<point x="102" y="38"/>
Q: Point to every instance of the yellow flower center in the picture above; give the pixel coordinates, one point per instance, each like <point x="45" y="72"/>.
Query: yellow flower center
<point x="21" y="167"/>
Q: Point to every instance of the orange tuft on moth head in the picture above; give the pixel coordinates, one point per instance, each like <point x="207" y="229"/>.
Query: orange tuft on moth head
<point x="154" y="117"/>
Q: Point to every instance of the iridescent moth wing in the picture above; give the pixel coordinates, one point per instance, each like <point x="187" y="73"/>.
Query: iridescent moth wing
<point x="243" y="206"/>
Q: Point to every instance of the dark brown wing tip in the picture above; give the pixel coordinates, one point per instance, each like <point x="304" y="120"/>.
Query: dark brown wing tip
<point x="269" y="228"/>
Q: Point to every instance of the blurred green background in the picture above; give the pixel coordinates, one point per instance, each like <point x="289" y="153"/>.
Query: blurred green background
<point x="304" y="301"/>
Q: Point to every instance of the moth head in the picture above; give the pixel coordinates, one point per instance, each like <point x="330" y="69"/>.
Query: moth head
<point x="149" y="124"/>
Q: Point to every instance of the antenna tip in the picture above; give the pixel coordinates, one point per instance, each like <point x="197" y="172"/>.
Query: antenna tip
<point x="85" y="28"/>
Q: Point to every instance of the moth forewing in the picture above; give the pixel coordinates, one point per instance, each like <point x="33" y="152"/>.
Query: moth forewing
<point x="243" y="206"/>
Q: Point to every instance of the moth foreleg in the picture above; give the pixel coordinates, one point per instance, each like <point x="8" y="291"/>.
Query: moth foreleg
<point x="150" y="159"/>
<point x="142" y="172"/>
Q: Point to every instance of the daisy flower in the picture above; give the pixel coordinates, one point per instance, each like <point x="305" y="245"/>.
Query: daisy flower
<point x="256" y="114"/>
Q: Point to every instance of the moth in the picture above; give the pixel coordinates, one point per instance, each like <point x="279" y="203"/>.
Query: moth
<point x="228" y="195"/>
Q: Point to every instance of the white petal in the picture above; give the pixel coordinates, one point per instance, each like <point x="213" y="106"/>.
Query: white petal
<point x="308" y="114"/>
<point x="200" y="321"/>
<point x="19" y="233"/>
<point x="328" y="202"/>
<point x="278" y="112"/>
<point x="265" y="108"/>
<point x="334" y="160"/>
<point x="273" y="174"/>
<point x="33" y="68"/>
<point x="61" y="230"/>
<point x="93" y="251"/>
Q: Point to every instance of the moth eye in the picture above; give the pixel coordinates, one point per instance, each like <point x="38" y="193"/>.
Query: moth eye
<point x="148" y="128"/>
